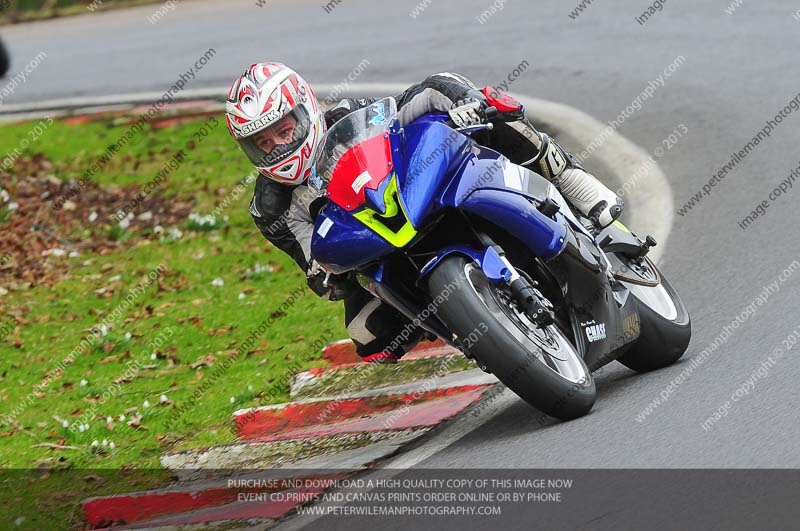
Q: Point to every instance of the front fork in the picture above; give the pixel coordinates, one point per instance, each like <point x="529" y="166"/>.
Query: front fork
<point x="497" y="268"/>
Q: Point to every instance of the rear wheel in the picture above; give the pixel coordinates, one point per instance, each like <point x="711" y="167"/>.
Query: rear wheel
<point x="665" y="325"/>
<point x="539" y="364"/>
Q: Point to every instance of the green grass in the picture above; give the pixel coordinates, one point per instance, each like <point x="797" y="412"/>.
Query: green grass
<point x="27" y="10"/>
<point x="191" y="316"/>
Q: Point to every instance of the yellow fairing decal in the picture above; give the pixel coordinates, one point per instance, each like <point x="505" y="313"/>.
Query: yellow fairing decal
<point x="372" y="219"/>
<point x="621" y="226"/>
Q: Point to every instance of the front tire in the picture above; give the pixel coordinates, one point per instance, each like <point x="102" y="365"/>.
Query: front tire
<point x="538" y="363"/>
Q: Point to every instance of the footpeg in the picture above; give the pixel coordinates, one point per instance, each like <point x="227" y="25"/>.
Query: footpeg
<point x="649" y="242"/>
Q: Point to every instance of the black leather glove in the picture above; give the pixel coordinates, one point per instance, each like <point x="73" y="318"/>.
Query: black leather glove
<point x="468" y="112"/>
<point x="327" y="285"/>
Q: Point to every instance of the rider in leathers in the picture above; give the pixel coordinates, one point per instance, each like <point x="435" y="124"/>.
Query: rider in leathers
<point x="285" y="211"/>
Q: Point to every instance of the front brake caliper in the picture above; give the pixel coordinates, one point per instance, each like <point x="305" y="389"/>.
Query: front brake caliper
<point x="497" y="267"/>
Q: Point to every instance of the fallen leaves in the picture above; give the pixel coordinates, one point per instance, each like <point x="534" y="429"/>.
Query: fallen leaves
<point x="223" y="330"/>
<point x="162" y="286"/>
<point x="55" y="446"/>
<point x="35" y="228"/>
<point x="136" y="423"/>
<point x="207" y="361"/>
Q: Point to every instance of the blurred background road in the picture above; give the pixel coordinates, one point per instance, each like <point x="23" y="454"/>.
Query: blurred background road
<point x="739" y="71"/>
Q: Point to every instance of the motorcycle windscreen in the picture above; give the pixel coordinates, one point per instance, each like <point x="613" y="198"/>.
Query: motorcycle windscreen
<point x="356" y="155"/>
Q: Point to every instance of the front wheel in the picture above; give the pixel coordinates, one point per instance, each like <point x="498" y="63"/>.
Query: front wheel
<point x="538" y="363"/>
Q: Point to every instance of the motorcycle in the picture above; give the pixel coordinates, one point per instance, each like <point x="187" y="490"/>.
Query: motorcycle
<point x="534" y="294"/>
<point x="5" y="61"/>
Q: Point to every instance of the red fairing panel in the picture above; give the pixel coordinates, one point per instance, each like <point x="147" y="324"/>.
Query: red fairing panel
<point x="362" y="166"/>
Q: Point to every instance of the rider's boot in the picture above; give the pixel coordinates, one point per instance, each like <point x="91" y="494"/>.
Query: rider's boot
<point x="592" y="198"/>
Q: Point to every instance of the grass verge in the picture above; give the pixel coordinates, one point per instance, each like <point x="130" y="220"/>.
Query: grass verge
<point x="113" y="323"/>
<point x="32" y="10"/>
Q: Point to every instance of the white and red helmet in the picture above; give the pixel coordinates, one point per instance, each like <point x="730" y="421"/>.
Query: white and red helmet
<point x="274" y="115"/>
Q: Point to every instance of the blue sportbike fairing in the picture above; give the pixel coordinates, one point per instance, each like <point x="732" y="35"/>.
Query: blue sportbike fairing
<point x="449" y="171"/>
<point x="437" y="170"/>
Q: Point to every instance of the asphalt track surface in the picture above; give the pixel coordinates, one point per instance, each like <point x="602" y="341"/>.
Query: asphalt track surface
<point x="739" y="71"/>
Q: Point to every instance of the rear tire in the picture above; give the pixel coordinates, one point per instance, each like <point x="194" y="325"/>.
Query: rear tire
<point x="664" y="337"/>
<point x="488" y="324"/>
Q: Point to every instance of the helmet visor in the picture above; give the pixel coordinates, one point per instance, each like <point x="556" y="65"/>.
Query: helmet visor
<point x="278" y="141"/>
